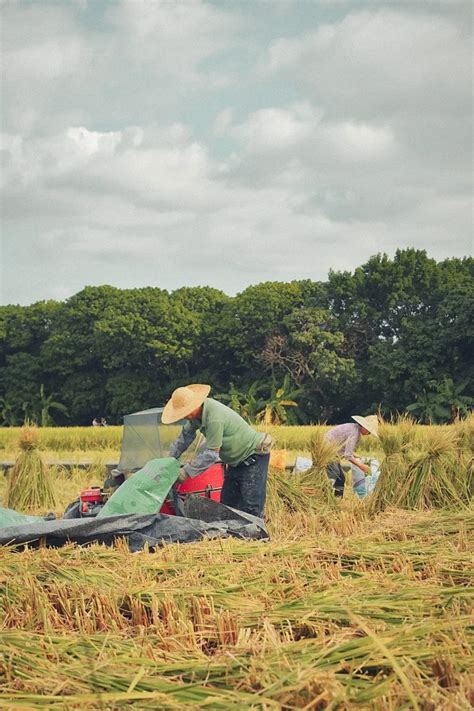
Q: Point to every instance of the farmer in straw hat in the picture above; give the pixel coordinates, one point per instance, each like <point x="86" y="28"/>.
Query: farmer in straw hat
<point x="347" y="436"/>
<point x="245" y="452"/>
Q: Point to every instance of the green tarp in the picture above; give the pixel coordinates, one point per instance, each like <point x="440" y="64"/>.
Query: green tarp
<point x="145" y="491"/>
<point x="9" y="517"/>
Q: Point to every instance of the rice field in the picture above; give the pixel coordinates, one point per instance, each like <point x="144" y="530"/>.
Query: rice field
<point x="102" y="444"/>
<point x="349" y="605"/>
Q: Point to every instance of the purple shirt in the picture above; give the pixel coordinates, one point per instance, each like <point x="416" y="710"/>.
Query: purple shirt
<point x="347" y="436"/>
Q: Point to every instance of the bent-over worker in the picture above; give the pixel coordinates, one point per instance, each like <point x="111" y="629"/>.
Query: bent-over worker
<point x="347" y="436"/>
<point x="229" y="439"/>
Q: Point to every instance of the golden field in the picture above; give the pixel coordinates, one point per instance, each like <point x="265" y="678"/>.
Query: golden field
<point x="345" y="607"/>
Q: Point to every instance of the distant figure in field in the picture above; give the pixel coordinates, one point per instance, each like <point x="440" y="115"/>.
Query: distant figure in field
<point x="96" y="422"/>
<point x="103" y="422"/>
<point x="347" y="437"/>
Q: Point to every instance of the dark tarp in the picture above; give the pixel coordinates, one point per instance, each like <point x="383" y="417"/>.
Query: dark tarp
<point x="137" y="529"/>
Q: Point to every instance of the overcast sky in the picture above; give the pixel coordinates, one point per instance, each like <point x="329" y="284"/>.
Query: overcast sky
<point x="169" y="144"/>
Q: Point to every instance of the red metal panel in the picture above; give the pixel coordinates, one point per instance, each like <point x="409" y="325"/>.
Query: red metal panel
<point x="213" y="477"/>
<point x="93" y="494"/>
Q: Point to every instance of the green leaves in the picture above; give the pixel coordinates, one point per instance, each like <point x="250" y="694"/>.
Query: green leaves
<point x="446" y="401"/>
<point x="281" y="398"/>
<point x="379" y="335"/>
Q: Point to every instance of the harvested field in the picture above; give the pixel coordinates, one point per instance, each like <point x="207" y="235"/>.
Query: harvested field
<point x="343" y="608"/>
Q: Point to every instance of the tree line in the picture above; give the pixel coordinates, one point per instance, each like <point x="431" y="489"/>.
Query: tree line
<point x="395" y="335"/>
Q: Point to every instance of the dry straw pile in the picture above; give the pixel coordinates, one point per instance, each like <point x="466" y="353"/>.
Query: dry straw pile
<point x="344" y="608"/>
<point x="424" y="469"/>
<point x="30" y="487"/>
<point x="378" y="619"/>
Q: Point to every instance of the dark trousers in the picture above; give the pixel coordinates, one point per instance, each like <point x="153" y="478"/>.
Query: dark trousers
<point x="337" y="477"/>
<point x="245" y="486"/>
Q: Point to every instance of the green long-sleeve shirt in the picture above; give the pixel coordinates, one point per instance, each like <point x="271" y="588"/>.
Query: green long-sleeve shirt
<point x="224" y="430"/>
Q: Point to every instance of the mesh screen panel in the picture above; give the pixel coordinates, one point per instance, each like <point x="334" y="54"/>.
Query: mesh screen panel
<point x="145" y="437"/>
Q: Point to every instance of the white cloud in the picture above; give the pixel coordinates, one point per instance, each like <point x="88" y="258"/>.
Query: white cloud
<point x="222" y="122"/>
<point x="380" y="61"/>
<point x="277" y="128"/>
<point x="46" y="61"/>
<point x="138" y="159"/>
<point x="295" y="139"/>
<point x="90" y="143"/>
<point x="61" y="69"/>
<point x="360" y="141"/>
<point x="285" y="53"/>
<point x="171" y="37"/>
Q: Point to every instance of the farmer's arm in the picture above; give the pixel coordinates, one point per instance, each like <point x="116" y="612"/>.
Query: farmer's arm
<point x="349" y="453"/>
<point x="208" y="455"/>
<point x="186" y="437"/>
<point x="359" y="463"/>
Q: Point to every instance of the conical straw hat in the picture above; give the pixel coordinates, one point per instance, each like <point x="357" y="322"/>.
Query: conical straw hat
<point x="369" y="423"/>
<point x="183" y="401"/>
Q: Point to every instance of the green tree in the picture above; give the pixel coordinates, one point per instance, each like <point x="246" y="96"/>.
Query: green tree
<point x="23" y="330"/>
<point x="377" y="335"/>
<point x="205" y="305"/>
<point x="406" y="321"/>
<point x="238" y="332"/>
<point x="430" y="346"/>
<point x="444" y="402"/>
<point x="8" y="413"/>
<point x="20" y="384"/>
<point x="310" y="350"/>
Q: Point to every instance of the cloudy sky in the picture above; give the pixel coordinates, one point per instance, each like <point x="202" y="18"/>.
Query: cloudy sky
<point x="226" y="143"/>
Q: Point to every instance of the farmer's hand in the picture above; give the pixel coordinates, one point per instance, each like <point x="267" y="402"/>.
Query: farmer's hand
<point x="359" y="463"/>
<point x="182" y="476"/>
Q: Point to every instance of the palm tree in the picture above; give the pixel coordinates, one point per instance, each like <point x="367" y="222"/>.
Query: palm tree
<point x="274" y="412"/>
<point x="455" y="397"/>
<point x="446" y="402"/>
<point x="428" y="408"/>
<point x="246" y="403"/>
<point x="252" y="402"/>
<point x="46" y="404"/>
<point x="8" y="413"/>
<point x="233" y="398"/>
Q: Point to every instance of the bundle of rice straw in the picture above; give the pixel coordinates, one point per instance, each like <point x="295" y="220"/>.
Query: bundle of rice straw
<point x="429" y="477"/>
<point x="434" y="479"/>
<point x="398" y="441"/>
<point x="29" y="483"/>
<point x="465" y="431"/>
<point x="286" y="494"/>
<point x="323" y="451"/>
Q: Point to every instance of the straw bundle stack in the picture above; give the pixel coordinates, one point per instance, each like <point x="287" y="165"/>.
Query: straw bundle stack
<point x="29" y="484"/>
<point x="420" y="471"/>
<point x="323" y="452"/>
<point x="433" y="479"/>
<point x="285" y="494"/>
<point x="397" y="440"/>
<point x="465" y="431"/>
